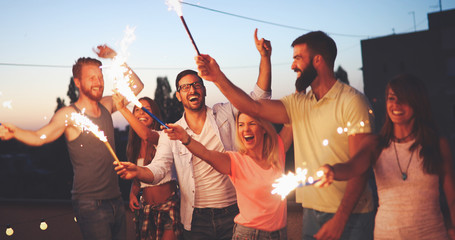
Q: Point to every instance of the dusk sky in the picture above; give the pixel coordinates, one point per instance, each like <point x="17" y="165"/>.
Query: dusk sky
<point x="42" y="39"/>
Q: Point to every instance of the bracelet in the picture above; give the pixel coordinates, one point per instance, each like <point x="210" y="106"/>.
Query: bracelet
<point x="188" y="142"/>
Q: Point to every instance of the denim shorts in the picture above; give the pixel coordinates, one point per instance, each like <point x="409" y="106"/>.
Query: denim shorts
<point x="241" y="233"/>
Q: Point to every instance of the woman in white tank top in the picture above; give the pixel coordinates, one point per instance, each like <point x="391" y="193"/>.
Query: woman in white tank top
<point x="409" y="159"/>
<point x="157" y="214"/>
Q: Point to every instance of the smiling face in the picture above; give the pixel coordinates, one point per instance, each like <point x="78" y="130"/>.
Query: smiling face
<point x="91" y="82"/>
<point x="193" y="99"/>
<point x="250" y="132"/>
<point x="141" y="115"/>
<point x="399" y="112"/>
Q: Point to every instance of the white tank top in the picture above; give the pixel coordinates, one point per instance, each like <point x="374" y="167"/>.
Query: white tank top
<point x="408" y="209"/>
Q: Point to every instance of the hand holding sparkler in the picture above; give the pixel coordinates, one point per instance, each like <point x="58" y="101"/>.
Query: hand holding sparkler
<point x="208" y="68"/>
<point x="326" y="174"/>
<point x="103" y="51"/>
<point x="126" y="170"/>
<point x="176" y="132"/>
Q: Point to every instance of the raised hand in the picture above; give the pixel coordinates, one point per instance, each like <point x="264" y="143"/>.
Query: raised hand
<point x="264" y="47"/>
<point x="208" y="68"/>
<point x="103" y="51"/>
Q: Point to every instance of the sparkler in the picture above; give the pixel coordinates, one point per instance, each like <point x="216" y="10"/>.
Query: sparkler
<point x="287" y="183"/>
<point x="122" y="75"/>
<point x="175" y="5"/>
<point x="85" y="124"/>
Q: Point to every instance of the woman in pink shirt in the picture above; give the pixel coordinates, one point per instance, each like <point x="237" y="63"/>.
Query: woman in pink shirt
<point x="252" y="170"/>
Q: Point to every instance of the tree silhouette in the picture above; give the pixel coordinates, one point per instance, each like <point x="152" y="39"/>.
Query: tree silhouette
<point x="170" y="107"/>
<point x="73" y="91"/>
<point x="342" y="75"/>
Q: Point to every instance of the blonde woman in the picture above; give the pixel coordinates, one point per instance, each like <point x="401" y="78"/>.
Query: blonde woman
<point x="252" y="170"/>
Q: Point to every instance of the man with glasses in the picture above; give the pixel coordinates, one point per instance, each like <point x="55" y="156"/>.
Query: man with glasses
<point x="208" y="199"/>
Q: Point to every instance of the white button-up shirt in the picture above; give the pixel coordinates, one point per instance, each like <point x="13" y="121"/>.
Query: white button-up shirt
<point x="222" y="119"/>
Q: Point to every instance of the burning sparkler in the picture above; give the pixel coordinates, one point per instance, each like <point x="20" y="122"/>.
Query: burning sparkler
<point x="287" y="183"/>
<point x="122" y="74"/>
<point x="177" y="6"/>
<point x="85" y="124"/>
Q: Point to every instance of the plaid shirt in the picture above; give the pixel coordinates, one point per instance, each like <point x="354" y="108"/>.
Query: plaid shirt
<point x="152" y="219"/>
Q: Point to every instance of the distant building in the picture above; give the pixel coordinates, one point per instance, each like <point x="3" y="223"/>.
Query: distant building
<point x="430" y="55"/>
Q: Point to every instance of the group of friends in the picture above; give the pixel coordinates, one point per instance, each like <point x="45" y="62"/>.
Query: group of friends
<point x="210" y="174"/>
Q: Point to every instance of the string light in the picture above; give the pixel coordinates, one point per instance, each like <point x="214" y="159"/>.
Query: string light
<point x="9" y="230"/>
<point x="43" y="224"/>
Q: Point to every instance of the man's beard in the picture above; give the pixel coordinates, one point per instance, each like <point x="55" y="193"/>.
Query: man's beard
<point x="306" y="78"/>
<point x="91" y="96"/>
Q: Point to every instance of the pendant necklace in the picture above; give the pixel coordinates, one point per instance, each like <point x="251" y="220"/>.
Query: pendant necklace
<point x="404" y="175"/>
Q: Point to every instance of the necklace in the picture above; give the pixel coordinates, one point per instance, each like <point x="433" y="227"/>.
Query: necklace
<point x="403" y="138"/>
<point x="404" y="175"/>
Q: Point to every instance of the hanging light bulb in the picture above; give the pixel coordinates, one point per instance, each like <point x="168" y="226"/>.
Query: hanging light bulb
<point x="43" y="224"/>
<point x="9" y="230"/>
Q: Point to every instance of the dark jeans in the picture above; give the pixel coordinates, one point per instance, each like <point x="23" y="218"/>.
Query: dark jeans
<point x="101" y="219"/>
<point x="212" y="223"/>
<point x="359" y="226"/>
<point x="242" y="233"/>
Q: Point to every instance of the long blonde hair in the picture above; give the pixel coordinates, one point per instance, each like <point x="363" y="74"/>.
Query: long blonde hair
<point x="270" y="144"/>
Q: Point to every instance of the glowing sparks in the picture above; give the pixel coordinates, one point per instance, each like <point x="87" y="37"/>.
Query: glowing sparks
<point x="176" y="6"/>
<point x="86" y="125"/>
<point x="340" y="130"/>
<point x="43" y="136"/>
<point x="325" y="142"/>
<point x="7" y="104"/>
<point x="287" y="183"/>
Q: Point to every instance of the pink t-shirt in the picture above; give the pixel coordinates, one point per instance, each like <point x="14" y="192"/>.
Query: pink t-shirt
<point x="258" y="207"/>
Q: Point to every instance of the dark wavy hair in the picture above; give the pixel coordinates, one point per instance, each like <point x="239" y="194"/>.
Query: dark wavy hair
<point x="320" y="43"/>
<point x="134" y="141"/>
<point x="412" y="91"/>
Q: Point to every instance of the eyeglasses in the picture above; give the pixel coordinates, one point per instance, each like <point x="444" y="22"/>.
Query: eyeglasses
<point x="186" y="87"/>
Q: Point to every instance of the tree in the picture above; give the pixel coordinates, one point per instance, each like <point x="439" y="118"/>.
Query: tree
<point x="171" y="108"/>
<point x="342" y="75"/>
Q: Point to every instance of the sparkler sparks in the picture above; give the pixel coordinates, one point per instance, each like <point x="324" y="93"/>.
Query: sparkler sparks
<point x="287" y="183"/>
<point x="85" y="124"/>
<point x="7" y="104"/>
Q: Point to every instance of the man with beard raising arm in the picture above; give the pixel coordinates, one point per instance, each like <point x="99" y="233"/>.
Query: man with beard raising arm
<point x="316" y="118"/>
<point x="208" y="199"/>
<point x="97" y="202"/>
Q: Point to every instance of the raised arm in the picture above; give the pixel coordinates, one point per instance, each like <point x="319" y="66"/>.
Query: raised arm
<point x="218" y="160"/>
<point x="141" y="130"/>
<point x="49" y="133"/>
<point x="265" y="66"/>
<point x="272" y="110"/>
